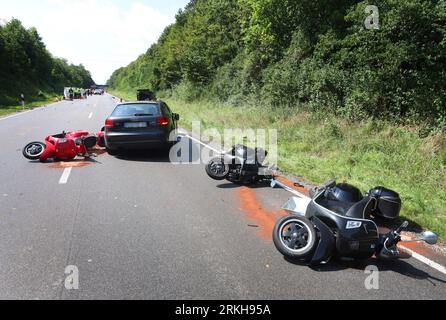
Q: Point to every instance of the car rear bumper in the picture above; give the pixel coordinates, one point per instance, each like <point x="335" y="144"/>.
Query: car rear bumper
<point x="136" y="141"/>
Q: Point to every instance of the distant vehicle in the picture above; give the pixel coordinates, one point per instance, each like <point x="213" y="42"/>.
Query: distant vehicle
<point x="145" y="95"/>
<point x="98" y="92"/>
<point x="139" y="125"/>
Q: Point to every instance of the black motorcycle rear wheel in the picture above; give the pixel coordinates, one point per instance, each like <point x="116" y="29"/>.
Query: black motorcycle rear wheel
<point x="33" y="150"/>
<point x="295" y="237"/>
<point x="217" y="169"/>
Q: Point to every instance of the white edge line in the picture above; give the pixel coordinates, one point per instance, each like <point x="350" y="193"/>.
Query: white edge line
<point x="425" y="260"/>
<point x="203" y="144"/>
<point x="17" y="114"/>
<point x="90" y="115"/>
<point x="28" y="111"/>
<point x="65" y="175"/>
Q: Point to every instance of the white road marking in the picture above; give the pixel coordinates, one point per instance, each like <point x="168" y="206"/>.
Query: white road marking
<point x="425" y="260"/>
<point x="17" y="114"/>
<point x="90" y="115"/>
<point x="28" y="111"/>
<point x="65" y="175"/>
<point x="204" y="144"/>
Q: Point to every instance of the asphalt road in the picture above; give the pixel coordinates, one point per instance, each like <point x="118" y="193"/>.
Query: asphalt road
<point x="138" y="227"/>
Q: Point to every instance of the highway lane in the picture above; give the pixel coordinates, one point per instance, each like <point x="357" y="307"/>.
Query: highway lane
<point x="138" y="227"/>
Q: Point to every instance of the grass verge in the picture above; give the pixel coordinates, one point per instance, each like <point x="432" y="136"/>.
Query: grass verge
<point x="367" y="154"/>
<point x="7" y="110"/>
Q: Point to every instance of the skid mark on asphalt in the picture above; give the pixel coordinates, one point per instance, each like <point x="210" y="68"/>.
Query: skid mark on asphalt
<point x="256" y="214"/>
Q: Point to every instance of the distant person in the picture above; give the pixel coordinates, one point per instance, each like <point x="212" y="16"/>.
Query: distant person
<point x="22" y="100"/>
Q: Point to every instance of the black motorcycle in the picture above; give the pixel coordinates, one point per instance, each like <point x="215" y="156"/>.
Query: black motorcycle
<point x="338" y="221"/>
<point x="240" y="165"/>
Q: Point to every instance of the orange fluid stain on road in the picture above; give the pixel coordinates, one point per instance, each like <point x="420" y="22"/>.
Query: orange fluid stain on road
<point x="256" y="214"/>
<point x="420" y="248"/>
<point x="78" y="163"/>
<point x="70" y="164"/>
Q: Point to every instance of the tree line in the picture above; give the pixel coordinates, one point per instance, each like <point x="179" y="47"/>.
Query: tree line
<point x="316" y="54"/>
<point x="26" y="66"/>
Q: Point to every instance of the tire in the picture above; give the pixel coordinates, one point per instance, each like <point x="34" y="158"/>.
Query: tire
<point x="216" y="169"/>
<point x="33" y="150"/>
<point x="304" y="246"/>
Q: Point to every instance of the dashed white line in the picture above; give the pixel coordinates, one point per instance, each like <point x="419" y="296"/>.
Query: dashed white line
<point x="17" y="114"/>
<point x="90" y="115"/>
<point x="65" y="176"/>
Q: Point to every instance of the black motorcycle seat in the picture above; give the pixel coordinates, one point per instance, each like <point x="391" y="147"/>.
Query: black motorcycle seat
<point x="361" y="209"/>
<point x="358" y="210"/>
<point x="336" y="206"/>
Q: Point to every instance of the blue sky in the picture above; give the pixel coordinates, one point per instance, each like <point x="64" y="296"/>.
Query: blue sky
<point x="101" y="34"/>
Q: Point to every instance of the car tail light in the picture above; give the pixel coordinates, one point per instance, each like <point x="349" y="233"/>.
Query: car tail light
<point x="162" y="121"/>
<point x="109" y="123"/>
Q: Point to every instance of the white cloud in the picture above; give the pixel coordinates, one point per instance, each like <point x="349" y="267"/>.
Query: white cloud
<point x="100" y="34"/>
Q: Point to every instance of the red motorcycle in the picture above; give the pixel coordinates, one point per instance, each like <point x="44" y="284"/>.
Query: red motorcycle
<point x="64" y="146"/>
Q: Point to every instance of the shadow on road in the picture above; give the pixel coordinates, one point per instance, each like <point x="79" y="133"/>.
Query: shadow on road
<point x="157" y="156"/>
<point x="399" y="266"/>
<point x="231" y="185"/>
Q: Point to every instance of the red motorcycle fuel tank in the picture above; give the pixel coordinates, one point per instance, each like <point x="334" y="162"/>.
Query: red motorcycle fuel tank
<point x="65" y="149"/>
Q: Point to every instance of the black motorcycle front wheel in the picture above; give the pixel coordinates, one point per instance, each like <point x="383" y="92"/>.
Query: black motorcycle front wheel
<point x="217" y="169"/>
<point x="33" y="150"/>
<point x="295" y="237"/>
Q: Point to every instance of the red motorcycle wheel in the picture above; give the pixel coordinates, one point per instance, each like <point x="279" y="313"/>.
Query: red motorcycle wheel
<point x="33" y="150"/>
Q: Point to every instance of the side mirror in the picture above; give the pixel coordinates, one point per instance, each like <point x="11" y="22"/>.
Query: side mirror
<point x="102" y="129"/>
<point x="176" y="116"/>
<point x="429" y="237"/>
